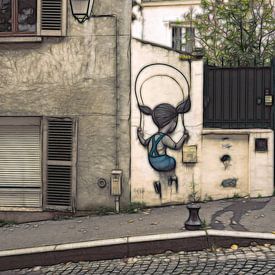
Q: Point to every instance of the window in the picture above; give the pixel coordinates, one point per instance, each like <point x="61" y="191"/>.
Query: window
<point x="183" y="38"/>
<point x="18" y="16"/>
<point x="37" y="163"/>
<point x="32" y="18"/>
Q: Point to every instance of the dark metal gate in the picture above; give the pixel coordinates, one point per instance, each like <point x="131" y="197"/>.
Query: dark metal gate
<point x="238" y="97"/>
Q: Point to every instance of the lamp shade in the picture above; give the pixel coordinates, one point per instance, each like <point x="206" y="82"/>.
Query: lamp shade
<point x="81" y="9"/>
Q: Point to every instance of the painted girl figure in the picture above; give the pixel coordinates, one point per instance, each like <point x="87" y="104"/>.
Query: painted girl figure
<point x="165" y="117"/>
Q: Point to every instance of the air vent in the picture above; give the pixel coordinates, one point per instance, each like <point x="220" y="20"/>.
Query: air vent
<point x="60" y="135"/>
<point x="51" y="17"/>
<point x="59" y="185"/>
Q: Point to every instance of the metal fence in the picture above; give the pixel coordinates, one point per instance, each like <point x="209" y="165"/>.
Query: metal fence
<point x="238" y="97"/>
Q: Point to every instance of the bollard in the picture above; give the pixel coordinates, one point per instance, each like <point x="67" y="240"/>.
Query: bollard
<point x="194" y="221"/>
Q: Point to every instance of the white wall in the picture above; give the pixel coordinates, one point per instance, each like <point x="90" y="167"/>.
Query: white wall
<point x="254" y="170"/>
<point x="214" y="171"/>
<point x="161" y="91"/>
<point x="154" y="24"/>
<point x="261" y="165"/>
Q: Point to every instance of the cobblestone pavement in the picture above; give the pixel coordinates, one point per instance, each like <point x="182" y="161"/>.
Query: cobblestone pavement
<point x="249" y="260"/>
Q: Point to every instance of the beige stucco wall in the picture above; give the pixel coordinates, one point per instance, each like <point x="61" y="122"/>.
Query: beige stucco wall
<point x="214" y="147"/>
<point x="261" y="168"/>
<point x="253" y="170"/>
<point x="162" y="91"/>
<point x="76" y="76"/>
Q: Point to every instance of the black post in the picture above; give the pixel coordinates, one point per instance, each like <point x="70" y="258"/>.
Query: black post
<point x="194" y="221"/>
<point x="273" y="107"/>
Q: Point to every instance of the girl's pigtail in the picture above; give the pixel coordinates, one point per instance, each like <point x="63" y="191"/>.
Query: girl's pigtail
<point x="184" y="106"/>
<point x="145" y="110"/>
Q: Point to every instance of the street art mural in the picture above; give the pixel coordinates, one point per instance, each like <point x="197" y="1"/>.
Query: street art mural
<point x="164" y="116"/>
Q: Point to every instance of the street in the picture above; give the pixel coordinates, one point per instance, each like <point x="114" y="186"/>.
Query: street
<point x="247" y="260"/>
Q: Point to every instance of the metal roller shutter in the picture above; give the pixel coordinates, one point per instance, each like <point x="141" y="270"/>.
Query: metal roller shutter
<point x="20" y="166"/>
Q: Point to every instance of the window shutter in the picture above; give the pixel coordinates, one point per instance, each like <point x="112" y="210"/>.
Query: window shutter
<point x="53" y="17"/>
<point x="60" y="164"/>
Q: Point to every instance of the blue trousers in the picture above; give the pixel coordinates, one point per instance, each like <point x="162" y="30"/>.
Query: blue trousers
<point x="162" y="163"/>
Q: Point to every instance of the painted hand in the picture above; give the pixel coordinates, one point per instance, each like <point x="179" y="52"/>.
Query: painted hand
<point x="140" y="132"/>
<point x="186" y="135"/>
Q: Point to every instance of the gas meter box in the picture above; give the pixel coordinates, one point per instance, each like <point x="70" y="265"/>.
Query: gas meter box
<point x="116" y="180"/>
<point x="189" y="154"/>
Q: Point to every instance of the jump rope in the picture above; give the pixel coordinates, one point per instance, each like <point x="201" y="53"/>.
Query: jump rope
<point x="148" y="68"/>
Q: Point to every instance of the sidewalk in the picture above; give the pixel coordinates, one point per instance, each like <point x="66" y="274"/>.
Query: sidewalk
<point x="254" y="215"/>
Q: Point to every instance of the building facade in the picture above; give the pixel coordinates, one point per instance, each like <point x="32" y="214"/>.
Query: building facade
<point x="230" y="151"/>
<point x="163" y="22"/>
<point x="64" y="104"/>
<point x="80" y="104"/>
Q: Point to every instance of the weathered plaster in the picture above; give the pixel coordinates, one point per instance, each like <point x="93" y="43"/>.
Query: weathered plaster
<point x="214" y="171"/>
<point x="76" y="76"/>
<point x="142" y="174"/>
<point x="253" y="170"/>
<point x="261" y="166"/>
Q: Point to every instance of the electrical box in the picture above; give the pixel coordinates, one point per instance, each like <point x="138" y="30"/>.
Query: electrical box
<point x="189" y="154"/>
<point x="268" y="98"/>
<point x="261" y="145"/>
<point x="116" y="180"/>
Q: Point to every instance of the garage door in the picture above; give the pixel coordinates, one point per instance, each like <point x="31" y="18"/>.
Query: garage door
<point x="20" y="165"/>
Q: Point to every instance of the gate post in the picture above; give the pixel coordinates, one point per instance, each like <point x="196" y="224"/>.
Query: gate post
<point x="273" y="112"/>
<point x="273" y="90"/>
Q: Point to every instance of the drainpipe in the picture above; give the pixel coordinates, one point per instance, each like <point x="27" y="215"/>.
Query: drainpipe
<point x="115" y="182"/>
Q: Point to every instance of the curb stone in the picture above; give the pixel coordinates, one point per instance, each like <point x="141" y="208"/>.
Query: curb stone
<point x="128" y="247"/>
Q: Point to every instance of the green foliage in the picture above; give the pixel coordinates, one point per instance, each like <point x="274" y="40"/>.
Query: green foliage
<point x="236" y="196"/>
<point x="204" y="225"/>
<point x="194" y="197"/>
<point x="208" y="198"/>
<point x="236" y="30"/>
<point x="103" y="210"/>
<point x="134" y="207"/>
<point x="6" y="223"/>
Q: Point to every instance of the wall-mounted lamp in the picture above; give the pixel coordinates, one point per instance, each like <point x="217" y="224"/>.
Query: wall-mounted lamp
<point x="81" y="9"/>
